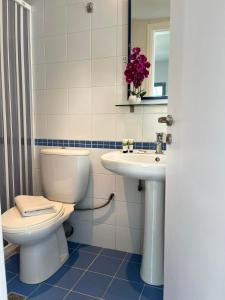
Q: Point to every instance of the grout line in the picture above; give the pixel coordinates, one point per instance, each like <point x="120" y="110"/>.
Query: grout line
<point x="106" y="291"/>
<point x="141" y="292"/>
<point x="85" y="271"/>
<point x="15" y="275"/>
<point x="33" y="291"/>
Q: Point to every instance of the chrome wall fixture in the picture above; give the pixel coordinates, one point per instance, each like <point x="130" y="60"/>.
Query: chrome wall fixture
<point x="90" y="7"/>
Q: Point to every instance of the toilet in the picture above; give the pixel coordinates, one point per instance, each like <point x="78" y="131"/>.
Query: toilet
<point x="42" y="240"/>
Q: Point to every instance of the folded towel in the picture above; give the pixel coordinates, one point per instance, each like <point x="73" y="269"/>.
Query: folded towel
<point x="34" y="205"/>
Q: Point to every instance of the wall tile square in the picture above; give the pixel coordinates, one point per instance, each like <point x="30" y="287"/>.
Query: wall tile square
<point x="40" y="124"/>
<point x="155" y="109"/>
<point x="95" y="157"/>
<point x="104" y="100"/>
<point x="105" y="37"/>
<point x="57" y="75"/>
<point x="104" y="127"/>
<point x="56" y="101"/>
<point x="103" y="191"/>
<point x="39" y="97"/>
<point x="78" y="19"/>
<point x="80" y="101"/>
<point x="104" y="72"/>
<point x="122" y="40"/>
<point x="79" y="74"/>
<point x="105" y="215"/>
<point x="38" y="55"/>
<point x="83" y="232"/>
<point x="37" y="18"/>
<point x="129" y="126"/>
<point x="57" y="127"/>
<point x="128" y="239"/>
<point x="55" y="19"/>
<point x="79" y="45"/>
<point x="56" y="49"/>
<point x="129" y="214"/>
<point x="120" y="69"/>
<point x="105" y="15"/>
<point x="127" y="189"/>
<point x="104" y="235"/>
<point x="39" y="76"/>
<point x="122" y="12"/>
<point x="80" y="127"/>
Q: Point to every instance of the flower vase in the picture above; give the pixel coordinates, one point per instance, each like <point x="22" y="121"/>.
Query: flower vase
<point x="133" y="99"/>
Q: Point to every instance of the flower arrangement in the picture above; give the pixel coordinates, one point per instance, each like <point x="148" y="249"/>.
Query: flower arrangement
<point x="136" y="71"/>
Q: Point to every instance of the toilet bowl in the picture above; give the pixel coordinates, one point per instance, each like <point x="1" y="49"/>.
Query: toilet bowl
<point x="42" y="241"/>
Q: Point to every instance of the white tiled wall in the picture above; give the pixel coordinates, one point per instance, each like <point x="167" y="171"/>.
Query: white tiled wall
<point x="78" y="63"/>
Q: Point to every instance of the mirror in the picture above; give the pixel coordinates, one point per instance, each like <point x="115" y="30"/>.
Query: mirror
<point x="149" y="29"/>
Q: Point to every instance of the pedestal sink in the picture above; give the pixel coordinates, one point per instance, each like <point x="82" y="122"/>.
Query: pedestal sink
<point x="150" y="167"/>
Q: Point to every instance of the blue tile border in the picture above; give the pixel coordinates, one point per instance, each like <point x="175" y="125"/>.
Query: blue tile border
<point x="93" y="144"/>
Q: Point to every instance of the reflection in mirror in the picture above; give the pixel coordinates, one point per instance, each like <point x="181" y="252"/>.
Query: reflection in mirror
<point x="149" y="29"/>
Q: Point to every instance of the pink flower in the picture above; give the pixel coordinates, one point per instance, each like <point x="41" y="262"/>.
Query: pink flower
<point x="137" y="70"/>
<point x="136" y="50"/>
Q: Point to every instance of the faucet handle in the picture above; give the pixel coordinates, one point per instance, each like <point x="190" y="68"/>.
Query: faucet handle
<point x="168" y="120"/>
<point x="159" y="136"/>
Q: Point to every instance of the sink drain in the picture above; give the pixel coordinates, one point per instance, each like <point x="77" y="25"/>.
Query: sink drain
<point x="13" y="296"/>
<point x="157" y="159"/>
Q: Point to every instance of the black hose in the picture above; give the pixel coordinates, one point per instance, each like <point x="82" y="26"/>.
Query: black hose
<point x="111" y="198"/>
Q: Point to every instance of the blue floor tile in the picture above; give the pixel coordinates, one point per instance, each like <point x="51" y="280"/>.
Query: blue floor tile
<point x="66" y="277"/>
<point x="93" y="284"/>
<point x="47" y="292"/>
<point x="114" y="253"/>
<point x="12" y="264"/>
<point x="73" y="245"/>
<point x="152" y="293"/>
<point x="10" y="276"/>
<point x="21" y="288"/>
<point x="80" y="259"/>
<point x="127" y="284"/>
<point x="91" y="249"/>
<point x="124" y="290"/>
<point x="77" y="296"/>
<point x="106" y="265"/>
<point x="71" y="250"/>
<point x="129" y="271"/>
<point x="134" y="257"/>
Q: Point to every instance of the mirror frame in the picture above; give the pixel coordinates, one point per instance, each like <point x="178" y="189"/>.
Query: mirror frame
<point x="160" y="100"/>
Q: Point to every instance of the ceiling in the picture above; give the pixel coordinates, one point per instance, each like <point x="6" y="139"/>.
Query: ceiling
<point x="150" y="9"/>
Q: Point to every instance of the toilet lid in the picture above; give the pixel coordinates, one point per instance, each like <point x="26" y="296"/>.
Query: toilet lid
<point x="12" y="220"/>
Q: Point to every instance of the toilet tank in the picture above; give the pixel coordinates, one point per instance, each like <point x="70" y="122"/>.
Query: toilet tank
<point x="64" y="174"/>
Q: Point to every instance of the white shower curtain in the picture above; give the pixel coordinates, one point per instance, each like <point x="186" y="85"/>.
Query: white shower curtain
<point x="15" y="103"/>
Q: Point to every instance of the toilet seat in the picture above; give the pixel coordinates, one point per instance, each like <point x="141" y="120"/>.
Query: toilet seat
<point x="14" y="222"/>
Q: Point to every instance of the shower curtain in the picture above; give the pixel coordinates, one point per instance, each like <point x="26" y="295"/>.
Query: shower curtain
<point x="15" y="102"/>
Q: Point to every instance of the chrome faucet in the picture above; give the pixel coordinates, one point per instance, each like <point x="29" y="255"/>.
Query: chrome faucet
<point x="159" y="143"/>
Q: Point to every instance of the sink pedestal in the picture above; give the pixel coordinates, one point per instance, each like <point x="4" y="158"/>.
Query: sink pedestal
<point x="153" y="249"/>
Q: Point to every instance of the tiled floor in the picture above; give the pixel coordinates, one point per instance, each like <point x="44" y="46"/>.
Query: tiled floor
<point x="89" y="273"/>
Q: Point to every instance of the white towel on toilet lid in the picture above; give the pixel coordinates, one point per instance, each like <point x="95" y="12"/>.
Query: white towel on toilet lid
<point x="33" y="205"/>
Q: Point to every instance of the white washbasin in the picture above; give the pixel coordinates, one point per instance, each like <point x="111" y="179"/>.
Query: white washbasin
<point x="150" y="167"/>
<point x="145" y="166"/>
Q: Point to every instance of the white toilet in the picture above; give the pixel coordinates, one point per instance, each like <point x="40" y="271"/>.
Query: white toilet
<point x="43" y="245"/>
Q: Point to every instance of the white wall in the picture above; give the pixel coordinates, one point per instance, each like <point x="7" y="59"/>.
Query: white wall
<point x="195" y="197"/>
<point x="78" y="79"/>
